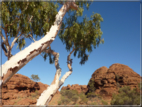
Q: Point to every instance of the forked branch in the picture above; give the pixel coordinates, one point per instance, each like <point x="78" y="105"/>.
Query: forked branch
<point x="69" y="64"/>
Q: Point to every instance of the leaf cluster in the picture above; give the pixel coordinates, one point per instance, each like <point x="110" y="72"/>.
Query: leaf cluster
<point x="16" y="19"/>
<point x="83" y="36"/>
<point x="51" y="57"/>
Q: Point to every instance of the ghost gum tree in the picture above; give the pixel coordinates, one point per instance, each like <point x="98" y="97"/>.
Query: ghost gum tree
<point x="29" y="20"/>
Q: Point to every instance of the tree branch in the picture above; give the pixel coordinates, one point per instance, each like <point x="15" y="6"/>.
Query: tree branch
<point x="65" y="28"/>
<point x="30" y="19"/>
<point x="74" y="6"/>
<point x="13" y="42"/>
<point x="4" y="49"/>
<point x="69" y="61"/>
<point x="69" y="64"/>
<point x="56" y="78"/>
<point x="58" y="72"/>
<point x="3" y="38"/>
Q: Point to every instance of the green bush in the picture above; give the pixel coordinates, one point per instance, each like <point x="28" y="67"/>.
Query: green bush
<point x="91" y="86"/>
<point x="35" y="94"/>
<point x="91" y="95"/>
<point x="83" y="98"/>
<point x="104" y="102"/>
<point x="59" y="102"/>
<point x="140" y="86"/>
<point x="126" y="96"/>
<point x="65" y="100"/>
<point x="63" y="92"/>
<point x="93" y="103"/>
<point x="69" y="93"/>
<point x="75" y="98"/>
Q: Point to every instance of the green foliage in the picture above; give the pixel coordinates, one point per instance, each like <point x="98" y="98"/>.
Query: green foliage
<point x="91" y="86"/>
<point x="140" y="86"/>
<point x="59" y="102"/>
<point x="93" y="103"/>
<point x="118" y="85"/>
<point x="16" y="19"/>
<point x="83" y="98"/>
<point x="63" y="92"/>
<point x="34" y="94"/>
<point x="69" y="93"/>
<point x="117" y="77"/>
<point x="104" y="102"/>
<point x="65" y="100"/>
<point x="82" y="35"/>
<point x="91" y="95"/>
<point x="35" y="77"/>
<point x="75" y="98"/>
<point x="126" y="96"/>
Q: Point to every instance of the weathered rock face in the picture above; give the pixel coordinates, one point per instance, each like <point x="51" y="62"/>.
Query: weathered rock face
<point x="21" y="90"/>
<point x="107" y="81"/>
<point x="79" y="88"/>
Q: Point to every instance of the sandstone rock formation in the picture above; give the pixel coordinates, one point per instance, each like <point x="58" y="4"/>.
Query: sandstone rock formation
<point x="79" y="88"/>
<point x="108" y="81"/>
<point x="21" y="90"/>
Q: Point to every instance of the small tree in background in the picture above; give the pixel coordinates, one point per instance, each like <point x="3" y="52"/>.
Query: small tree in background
<point x="35" y="77"/>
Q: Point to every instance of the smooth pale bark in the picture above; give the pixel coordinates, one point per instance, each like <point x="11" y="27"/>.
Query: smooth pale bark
<point x="19" y="60"/>
<point x="47" y="94"/>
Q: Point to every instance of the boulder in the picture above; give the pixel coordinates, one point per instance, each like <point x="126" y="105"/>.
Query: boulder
<point x="21" y="90"/>
<point x="78" y="88"/>
<point x="108" y="80"/>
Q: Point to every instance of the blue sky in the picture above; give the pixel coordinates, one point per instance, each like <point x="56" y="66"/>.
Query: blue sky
<point x="121" y="32"/>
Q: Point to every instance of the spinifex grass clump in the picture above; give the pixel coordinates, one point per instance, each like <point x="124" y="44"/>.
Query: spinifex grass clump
<point x="68" y="96"/>
<point x="126" y="96"/>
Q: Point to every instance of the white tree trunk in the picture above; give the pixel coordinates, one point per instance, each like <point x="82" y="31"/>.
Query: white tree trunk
<point x="16" y="62"/>
<point x="47" y="95"/>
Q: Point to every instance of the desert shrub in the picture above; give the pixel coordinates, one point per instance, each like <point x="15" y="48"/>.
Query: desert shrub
<point x="118" y="85"/>
<point x="59" y="102"/>
<point x="117" y="77"/>
<point x="93" y="103"/>
<point x="104" y="102"/>
<point x="63" y="92"/>
<point x="34" y="94"/>
<point x="91" y="86"/>
<point x="65" y="100"/>
<point x="76" y="105"/>
<point x="126" y="96"/>
<point x="83" y="98"/>
<point x="75" y="98"/>
<point x="140" y="86"/>
<point x="70" y="93"/>
<point x="91" y="95"/>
